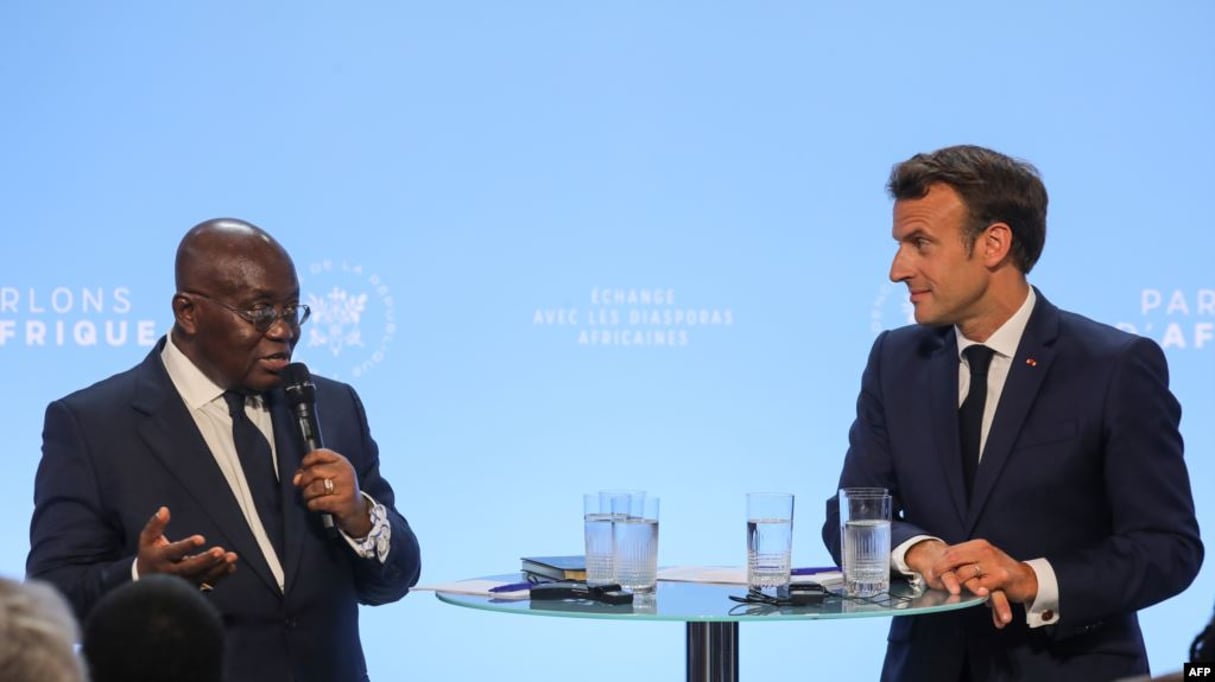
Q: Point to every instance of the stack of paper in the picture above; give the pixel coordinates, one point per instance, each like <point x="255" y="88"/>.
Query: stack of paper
<point x="477" y="588"/>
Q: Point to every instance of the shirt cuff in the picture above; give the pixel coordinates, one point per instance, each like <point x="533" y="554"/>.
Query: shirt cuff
<point x="1045" y="608"/>
<point x="379" y="540"/>
<point x="898" y="557"/>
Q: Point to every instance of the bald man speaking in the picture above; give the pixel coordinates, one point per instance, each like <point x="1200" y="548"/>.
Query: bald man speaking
<point x="192" y="464"/>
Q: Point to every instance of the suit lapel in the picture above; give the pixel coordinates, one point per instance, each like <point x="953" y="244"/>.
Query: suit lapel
<point x="288" y="447"/>
<point x="172" y="435"/>
<point x="943" y="378"/>
<point x="1033" y="359"/>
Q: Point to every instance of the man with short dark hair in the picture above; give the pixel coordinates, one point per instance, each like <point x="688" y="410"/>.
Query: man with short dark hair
<point x="1033" y="454"/>
<point x="192" y="464"/>
<point x="159" y="628"/>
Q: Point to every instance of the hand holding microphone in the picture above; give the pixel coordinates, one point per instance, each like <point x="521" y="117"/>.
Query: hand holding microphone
<point x="326" y="479"/>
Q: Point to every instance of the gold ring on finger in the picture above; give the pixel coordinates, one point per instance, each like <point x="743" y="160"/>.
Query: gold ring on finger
<point x="328" y="486"/>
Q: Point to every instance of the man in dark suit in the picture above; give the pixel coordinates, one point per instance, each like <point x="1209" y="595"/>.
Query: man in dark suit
<point x="1033" y="454"/>
<point x="192" y="464"/>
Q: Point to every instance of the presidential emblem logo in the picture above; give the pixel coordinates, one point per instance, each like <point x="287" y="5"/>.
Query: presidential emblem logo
<point x="353" y="320"/>
<point x="337" y="317"/>
<point x="891" y="309"/>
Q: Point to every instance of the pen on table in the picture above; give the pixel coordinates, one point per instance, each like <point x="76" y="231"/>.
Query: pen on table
<point x="813" y="570"/>
<point x="511" y="587"/>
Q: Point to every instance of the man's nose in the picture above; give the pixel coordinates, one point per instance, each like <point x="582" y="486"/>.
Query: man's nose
<point x="899" y="270"/>
<point x="282" y="329"/>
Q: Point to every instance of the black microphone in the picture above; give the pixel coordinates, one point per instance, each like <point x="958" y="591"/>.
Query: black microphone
<point x="301" y="396"/>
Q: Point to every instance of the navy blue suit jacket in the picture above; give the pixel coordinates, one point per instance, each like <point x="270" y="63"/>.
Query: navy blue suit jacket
<point x="116" y="451"/>
<point x="1082" y="466"/>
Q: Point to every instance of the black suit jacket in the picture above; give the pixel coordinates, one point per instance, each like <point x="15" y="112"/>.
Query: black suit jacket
<point x="116" y="451"/>
<point x="1082" y="466"/>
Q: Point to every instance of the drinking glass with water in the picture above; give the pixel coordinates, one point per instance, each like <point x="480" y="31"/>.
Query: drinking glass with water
<point x="865" y="540"/>
<point x="635" y="544"/>
<point x="769" y="542"/>
<point x="597" y="519"/>
<point x="597" y="531"/>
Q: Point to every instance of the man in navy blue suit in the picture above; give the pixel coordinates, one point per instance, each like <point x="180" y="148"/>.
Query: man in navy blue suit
<point x="192" y="464"/>
<point x="1056" y="487"/>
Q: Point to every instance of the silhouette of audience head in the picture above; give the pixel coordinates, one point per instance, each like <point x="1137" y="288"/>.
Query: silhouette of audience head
<point x="157" y="629"/>
<point x="37" y="634"/>
<point x="1202" y="649"/>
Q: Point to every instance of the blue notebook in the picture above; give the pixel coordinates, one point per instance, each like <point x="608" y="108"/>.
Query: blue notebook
<point x="572" y="567"/>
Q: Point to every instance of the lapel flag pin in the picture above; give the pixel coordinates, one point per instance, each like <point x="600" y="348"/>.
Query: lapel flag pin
<point x="1031" y="362"/>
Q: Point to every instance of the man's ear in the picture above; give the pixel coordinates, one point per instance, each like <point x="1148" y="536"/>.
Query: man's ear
<point x="995" y="244"/>
<point x="185" y="313"/>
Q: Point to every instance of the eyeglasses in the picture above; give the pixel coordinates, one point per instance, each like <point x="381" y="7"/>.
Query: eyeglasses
<point x="262" y="316"/>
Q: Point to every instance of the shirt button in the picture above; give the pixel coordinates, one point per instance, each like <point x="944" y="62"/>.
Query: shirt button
<point x="1048" y="615"/>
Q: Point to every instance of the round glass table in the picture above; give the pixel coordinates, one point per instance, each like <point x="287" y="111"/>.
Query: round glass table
<point x="712" y="618"/>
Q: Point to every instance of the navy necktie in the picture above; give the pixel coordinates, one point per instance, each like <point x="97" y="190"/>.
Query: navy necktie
<point x="258" y="464"/>
<point x="970" y="415"/>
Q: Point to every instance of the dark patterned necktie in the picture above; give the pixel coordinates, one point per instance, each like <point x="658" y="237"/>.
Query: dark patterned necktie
<point x="970" y="415"/>
<point x="258" y="464"/>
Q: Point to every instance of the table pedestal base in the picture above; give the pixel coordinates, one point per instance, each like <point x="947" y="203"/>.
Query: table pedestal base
<point x="713" y="651"/>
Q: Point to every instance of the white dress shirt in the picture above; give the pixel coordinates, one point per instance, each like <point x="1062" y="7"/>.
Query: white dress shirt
<point x="1004" y="341"/>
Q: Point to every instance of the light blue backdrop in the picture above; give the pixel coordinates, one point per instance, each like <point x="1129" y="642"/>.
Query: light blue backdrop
<point x="472" y="177"/>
